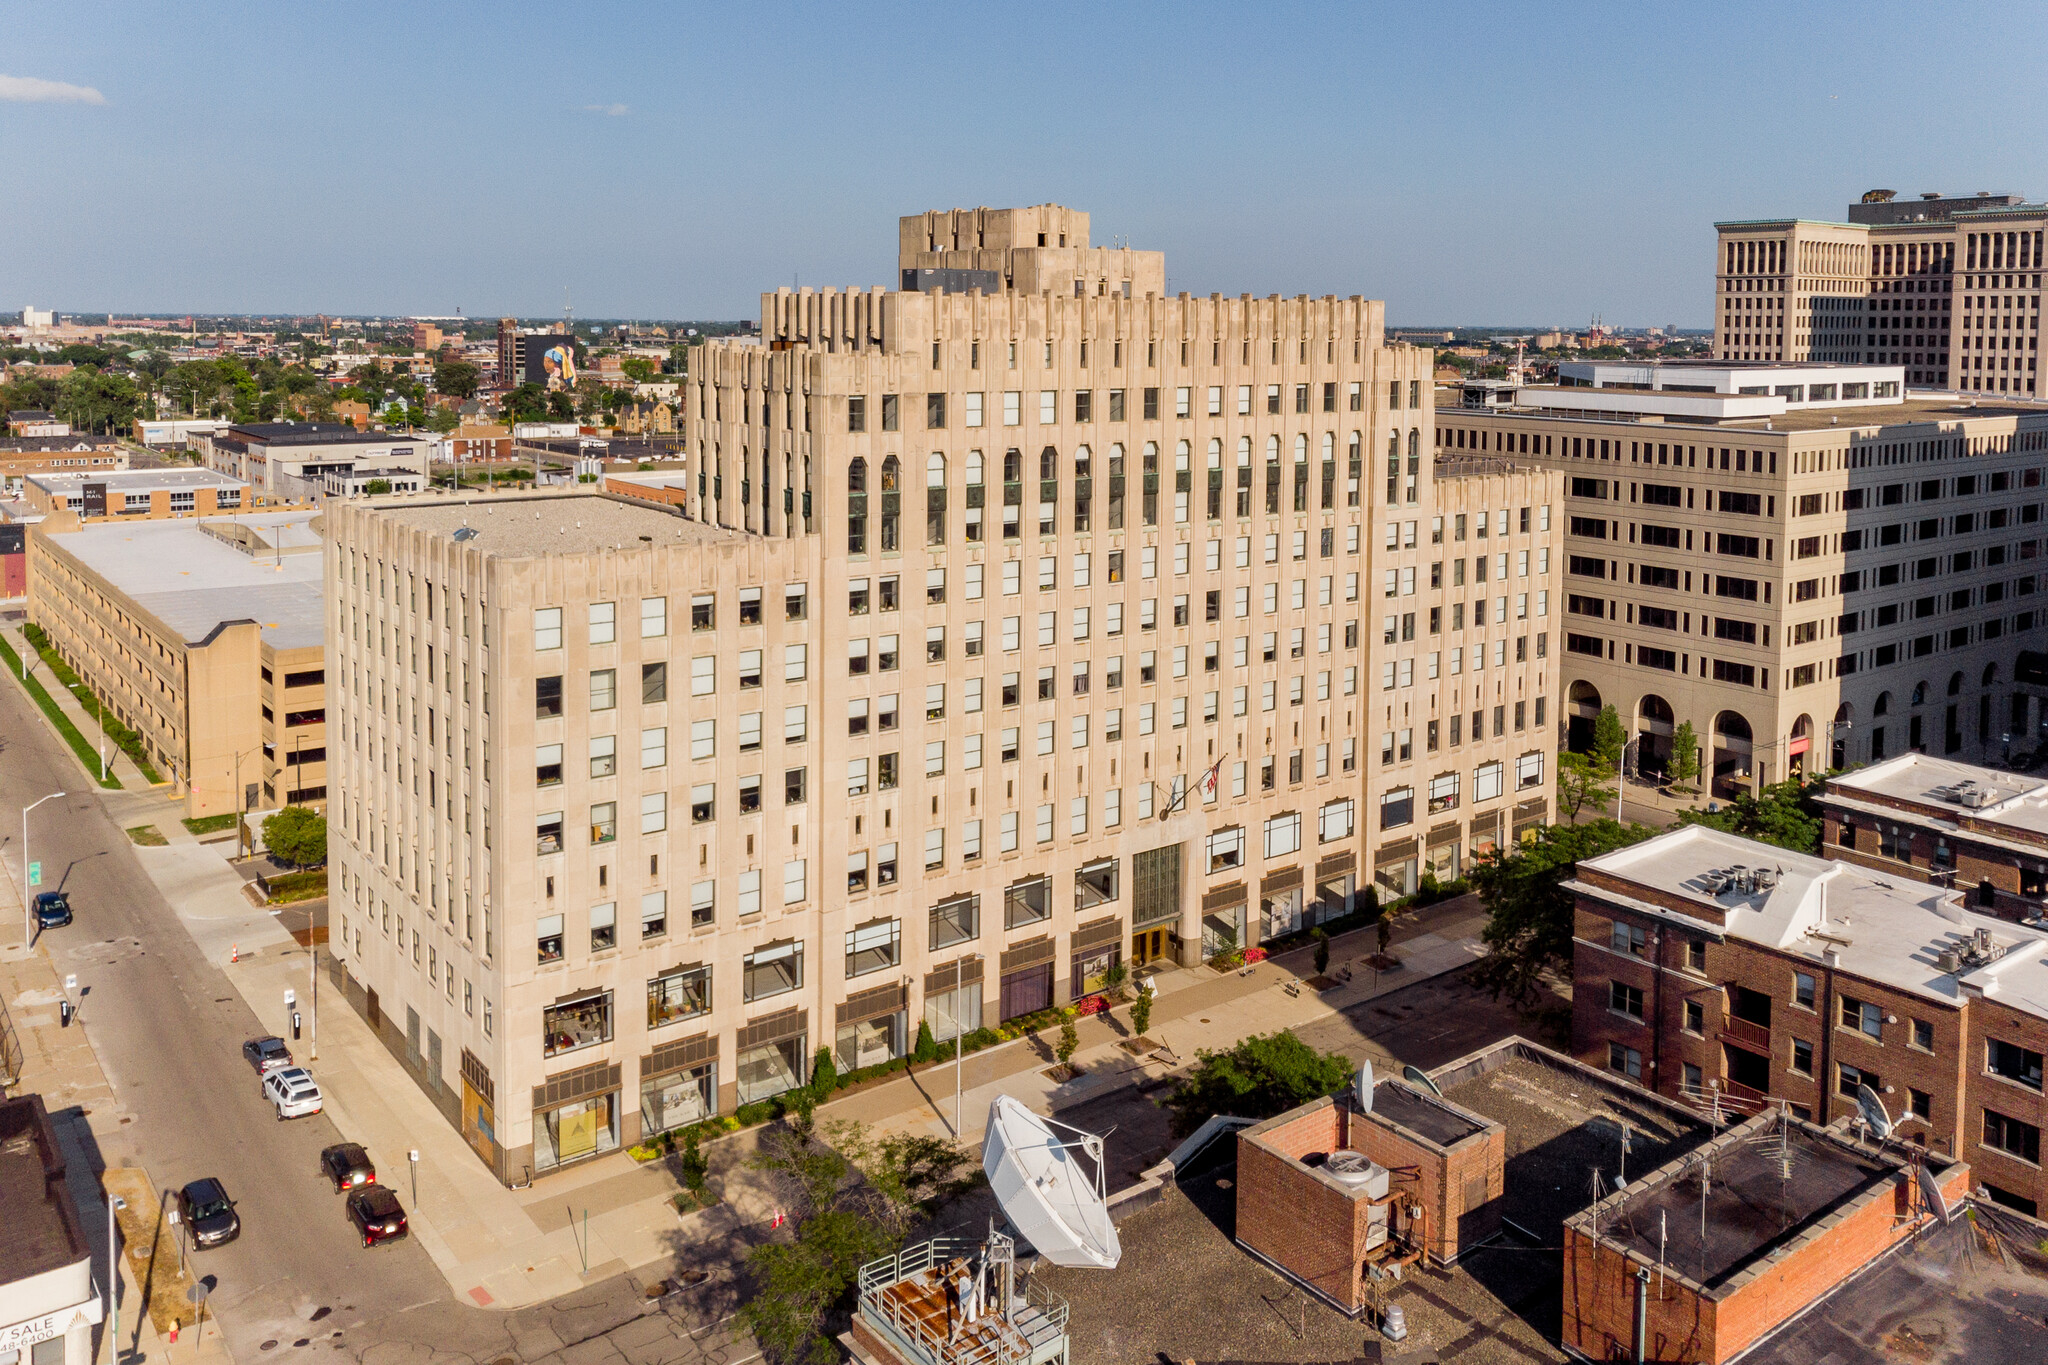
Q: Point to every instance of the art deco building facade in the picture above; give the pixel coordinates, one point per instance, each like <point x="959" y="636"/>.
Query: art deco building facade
<point x="998" y="639"/>
<point x="1948" y="288"/>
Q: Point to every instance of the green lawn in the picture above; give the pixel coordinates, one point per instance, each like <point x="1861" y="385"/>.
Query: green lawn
<point x="80" y="745"/>
<point x="209" y="824"/>
<point x="124" y="738"/>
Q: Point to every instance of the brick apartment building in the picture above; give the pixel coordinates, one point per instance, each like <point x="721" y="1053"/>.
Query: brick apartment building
<point x="1981" y="830"/>
<point x="1728" y="973"/>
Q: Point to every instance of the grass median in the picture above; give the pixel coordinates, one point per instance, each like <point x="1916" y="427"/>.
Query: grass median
<point x="80" y="745"/>
<point x="124" y="738"/>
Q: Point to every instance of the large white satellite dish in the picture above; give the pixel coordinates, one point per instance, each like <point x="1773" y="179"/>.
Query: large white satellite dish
<point x="1874" y="1113"/>
<point x="1044" y="1188"/>
<point x="1930" y="1191"/>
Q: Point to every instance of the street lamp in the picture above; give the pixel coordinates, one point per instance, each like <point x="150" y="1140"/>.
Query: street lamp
<point x="114" y="1279"/>
<point x="241" y="801"/>
<point x="28" y="901"/>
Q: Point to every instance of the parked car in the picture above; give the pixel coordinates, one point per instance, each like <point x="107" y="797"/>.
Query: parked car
<point x="53" y="910"/>
<point x="208" y="1213"/>
<point x="348" y="1166"/>
<point x="377" y="1214"/>
<point x="266" y="1054"/>
<point x="292" y="1091"/>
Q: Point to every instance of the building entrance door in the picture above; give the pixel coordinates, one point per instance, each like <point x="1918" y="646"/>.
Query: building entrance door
<point x="1146" y="945"/>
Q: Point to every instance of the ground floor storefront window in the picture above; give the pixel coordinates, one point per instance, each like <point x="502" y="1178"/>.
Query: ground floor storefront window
<point x="1395" y="879"/>
<point x="869" y="1042"/>
<point x="1279" y="913"/>
<point x="1333" y="897"/>
<point x="953" y="1012"/>
<point x="677" y="1098"/>
<point x="1092" y="967"/>
<point x="1444" y="862"/>
<point x="1027" y="990"/>
<point x="1223" y="930"/>
<point x="771" y="1069"/>
<point x="578" y="1129"/>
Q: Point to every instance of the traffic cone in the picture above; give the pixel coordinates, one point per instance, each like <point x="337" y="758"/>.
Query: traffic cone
<point x="234" y="952"/>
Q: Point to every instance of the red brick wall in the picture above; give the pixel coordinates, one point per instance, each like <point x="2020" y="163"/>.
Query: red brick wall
<point x="1600" y="1307"/>
<point x="1286" y="1214"/>
<point x="1444" y="1176"/>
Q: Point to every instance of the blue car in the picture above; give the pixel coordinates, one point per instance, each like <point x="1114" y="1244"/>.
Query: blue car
<point x="53" y="910"/>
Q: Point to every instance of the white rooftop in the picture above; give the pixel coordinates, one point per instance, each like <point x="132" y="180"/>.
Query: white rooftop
<point x="1884" y="929"/>
<point x="192" y="581"/>
<point x="1987" y="794"/>
<point x="134" y="480"/>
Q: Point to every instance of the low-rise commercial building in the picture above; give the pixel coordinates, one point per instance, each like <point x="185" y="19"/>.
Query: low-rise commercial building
<point x="68" y="499"/>
<point x="1734" y="975"/>
<point x="21" y="456"/>
<point x="296" y="458"/>
<point x="204" y="637"/>
<point x="48" y="1299"/>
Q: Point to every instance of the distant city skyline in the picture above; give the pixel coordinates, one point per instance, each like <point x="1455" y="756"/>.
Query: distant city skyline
<point x="662" y="161"/>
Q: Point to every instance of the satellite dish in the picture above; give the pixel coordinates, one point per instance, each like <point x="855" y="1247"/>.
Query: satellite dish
<point x="1937" y="1203"/>
<point x="1873" y="1111"/>
<point x="1418" y="1078"/>
<point x="1361" y="1087"/>
<point x="1056" y="1204"/>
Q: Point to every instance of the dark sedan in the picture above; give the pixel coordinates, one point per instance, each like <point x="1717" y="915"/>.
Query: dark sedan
<point x="266" y="1054"/>
<point x="348" y="1166"/>
<point x="53" y="910"/>
<point x="208" y="1213"/>
<point x="377" y="1215"/>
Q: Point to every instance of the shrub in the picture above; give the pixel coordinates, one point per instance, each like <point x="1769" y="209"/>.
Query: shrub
<point x="1322" y="951"/>
<point x="695" y="1167"/>
<point x="1255" y="955"/>
<point x="1141" y="1013"/>
<point x="1091" y="1004"/>
<point x="296" y="835"/>
<point x="926" y="1048"/>
<point x="824" y="1074"/>
<point x="1070" y="1038"/>
<point x="1263" y="1075"/>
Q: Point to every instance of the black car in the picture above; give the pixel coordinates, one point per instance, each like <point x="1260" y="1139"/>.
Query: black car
<point x="348" y="1166"/>
<point x="208" y="1213"/>
<point x="377" y="1214"/>
<point x="53" y="910"/>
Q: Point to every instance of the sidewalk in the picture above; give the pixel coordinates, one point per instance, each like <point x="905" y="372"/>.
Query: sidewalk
<point x="118" y="763"/>
<point x="59" y="1064"/>
<point x="506" y="1249"/>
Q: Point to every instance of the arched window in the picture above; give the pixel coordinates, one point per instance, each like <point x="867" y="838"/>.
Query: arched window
<point x="1149" y="492"/>
<point x="1183" y="481"/>
<point x="1355" y="475"/>
<point x="1244" y="476"/>
<point x="1883" y="704"/>
<point x="935" y="500"/>
<point x="1272" y="476"/>
<point x="1920" y="694"/>
<point x="1955" y="682"/>
<point x="1414" y="465"/>
<point x="857" y="507"/>
<point x="1394" y="470"/>
<point x="892" y="502"/>
<point x="1329" y="498"/>
<point x="1116" y="487"/>
<point x="1990" y="675"/>
<point x="1084" y="488"/>
<point x="1300" y="473"/>
<point x="1215" y="490"/>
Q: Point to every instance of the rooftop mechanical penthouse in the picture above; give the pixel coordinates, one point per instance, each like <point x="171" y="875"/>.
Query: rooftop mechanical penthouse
<point x="999" y="639"/>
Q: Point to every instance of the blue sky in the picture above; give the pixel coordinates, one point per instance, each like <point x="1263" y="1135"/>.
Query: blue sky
<point x="1470" y="163"/>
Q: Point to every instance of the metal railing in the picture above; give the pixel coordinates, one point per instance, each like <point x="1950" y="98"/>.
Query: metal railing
<point x="1746" y="1032"/>
<point x="1037" y="1318"/>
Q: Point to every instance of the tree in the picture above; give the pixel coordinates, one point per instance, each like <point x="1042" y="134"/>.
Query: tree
<point x="1529" y="914"/>
<point x="1685" y="754"/>
<point x="694" y="1166"/>
<point x="374" y="487"/>
<point x="1141" y="1010"/>
<point x="94" y="401"/>
<point x="457" y="378"/>
<point x="561" y="406"/>
<point x="527" y="403"/>
<point x="927" y="1048"/>
<point x="1264" y="1075"/>
<point x="443" y="420"/>
<point x="1070" y="1038"/>
<point x="639" y="369"/>
<point x="1322" y="938"/>
<point x="297" y="836"/>
<point x="1581" y="781"/>
<point x="1786" y="815"/>
<point x="851" y="1200"/>
<point x="1610" y="741"/>
<point x="824" y="1074"/>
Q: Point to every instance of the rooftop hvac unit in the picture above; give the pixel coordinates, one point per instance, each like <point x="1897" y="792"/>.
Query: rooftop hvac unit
<point x="1981" y="940"/>
<point x="1976" y="798"/>
<point x="1949" y="960"/>
<point x="1358" y="1171"/>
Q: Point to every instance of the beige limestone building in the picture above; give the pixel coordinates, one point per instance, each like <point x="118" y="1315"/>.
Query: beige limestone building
<point x="1811" y="583"/>
<point x="1949" y="288"/>
<point x="999" y="639"/>
<point x="204" y="637"/>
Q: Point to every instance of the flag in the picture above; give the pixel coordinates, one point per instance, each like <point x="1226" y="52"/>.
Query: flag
<point x="1208" y="783"/>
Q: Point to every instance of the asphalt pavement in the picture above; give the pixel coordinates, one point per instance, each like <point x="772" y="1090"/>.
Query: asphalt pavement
<point x="168" y="1029"/>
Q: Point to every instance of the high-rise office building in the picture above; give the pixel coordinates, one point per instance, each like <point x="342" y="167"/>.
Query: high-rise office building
<point x="1810" y="568"/>
<point x="1001" y="639"/>
<point x="1948" y="288"/>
